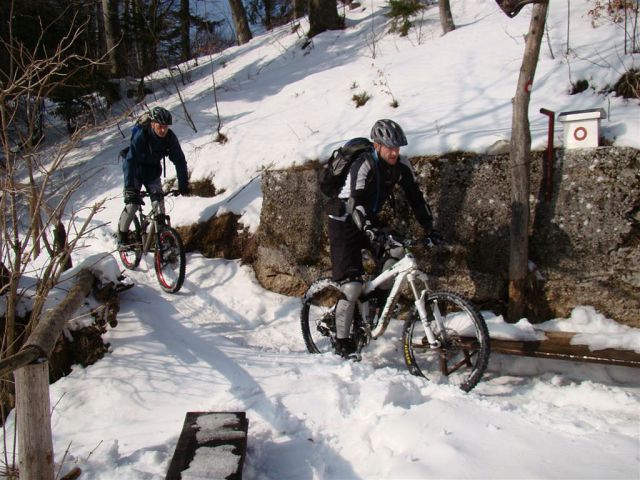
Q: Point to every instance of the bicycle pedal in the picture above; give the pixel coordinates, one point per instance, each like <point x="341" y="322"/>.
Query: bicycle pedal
<point x="355" y="357"/>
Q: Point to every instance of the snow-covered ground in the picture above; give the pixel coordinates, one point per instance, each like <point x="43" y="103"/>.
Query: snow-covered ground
<point x="223" y="343"/>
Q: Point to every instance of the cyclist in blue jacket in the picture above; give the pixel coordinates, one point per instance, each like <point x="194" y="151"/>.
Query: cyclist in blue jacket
<point x="368" y="185"/>
<point x="142" y="166"/>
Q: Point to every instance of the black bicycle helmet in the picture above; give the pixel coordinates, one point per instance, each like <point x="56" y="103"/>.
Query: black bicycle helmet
<point x="388" y="133"/>
<point x="161" y="115"/>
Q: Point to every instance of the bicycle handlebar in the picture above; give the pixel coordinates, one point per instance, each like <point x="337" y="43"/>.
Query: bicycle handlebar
<point x="170" y="193"/>
<point x="394" y="239"/>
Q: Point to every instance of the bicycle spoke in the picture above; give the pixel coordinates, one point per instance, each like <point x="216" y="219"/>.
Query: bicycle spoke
<point x="462" y="354"/>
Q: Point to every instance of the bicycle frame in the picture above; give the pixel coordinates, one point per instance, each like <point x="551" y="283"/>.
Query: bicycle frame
<point x="404" y="271"/>
<point x="150" y="224"/>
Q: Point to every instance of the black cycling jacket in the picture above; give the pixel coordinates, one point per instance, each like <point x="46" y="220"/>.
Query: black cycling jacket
<point x="370" y="182"/>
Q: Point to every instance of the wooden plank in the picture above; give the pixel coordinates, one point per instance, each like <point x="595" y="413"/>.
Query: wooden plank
<point x="221" y="436"/>
<point x="558" y="345"/>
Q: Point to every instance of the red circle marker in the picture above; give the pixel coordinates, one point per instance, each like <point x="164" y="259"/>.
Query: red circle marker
<point x="580" y="133"/>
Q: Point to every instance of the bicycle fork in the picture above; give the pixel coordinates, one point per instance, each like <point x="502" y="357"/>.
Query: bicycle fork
<point x="420" y="303"/>
<point x="150" y="237"/>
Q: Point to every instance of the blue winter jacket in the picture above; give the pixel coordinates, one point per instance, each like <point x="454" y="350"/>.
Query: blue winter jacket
<point x="143" y="162"/>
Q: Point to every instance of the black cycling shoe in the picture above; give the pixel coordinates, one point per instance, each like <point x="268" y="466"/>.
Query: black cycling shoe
<point x="345" y="347"/>
<point x="123" y="241"/>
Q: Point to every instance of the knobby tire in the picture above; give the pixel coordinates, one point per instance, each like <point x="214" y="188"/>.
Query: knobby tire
<point x="170" y="260"/>
<point x="463" y="354"/>
<point x="317" y="318"/>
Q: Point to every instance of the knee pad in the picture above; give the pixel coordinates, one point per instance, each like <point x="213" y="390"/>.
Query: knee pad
<point x="351" y="290"/>
<point x="131" y="209"/>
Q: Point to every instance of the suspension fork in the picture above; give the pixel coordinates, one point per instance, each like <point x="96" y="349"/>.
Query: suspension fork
<point x="420" y="302"/>
<point x="151" y="234"/>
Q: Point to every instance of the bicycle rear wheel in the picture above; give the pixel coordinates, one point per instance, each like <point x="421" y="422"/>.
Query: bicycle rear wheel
<point x="170" y="260"/>
<point x="463" y="354"/>
<point x="133" y="254"/>
<point x="317" y="318"/>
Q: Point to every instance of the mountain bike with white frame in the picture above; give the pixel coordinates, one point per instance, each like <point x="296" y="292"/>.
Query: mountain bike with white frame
<point x="445" y="339"/>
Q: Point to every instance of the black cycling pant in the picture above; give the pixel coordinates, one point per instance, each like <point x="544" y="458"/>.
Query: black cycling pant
<point x="346" y="243"/>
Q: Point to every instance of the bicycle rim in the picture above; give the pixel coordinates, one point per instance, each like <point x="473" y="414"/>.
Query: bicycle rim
<point x="131" y="257"/>
<point x="317" y="318"/>
<point x="170" y="261"/>
<point x="463" y="354"/>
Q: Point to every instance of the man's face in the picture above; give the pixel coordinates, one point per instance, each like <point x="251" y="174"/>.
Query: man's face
<point x="159" y="130"/>
<point x="389" y="154"/>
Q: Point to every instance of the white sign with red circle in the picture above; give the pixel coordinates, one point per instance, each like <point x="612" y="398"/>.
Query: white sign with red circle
<point x="582" y="127"/>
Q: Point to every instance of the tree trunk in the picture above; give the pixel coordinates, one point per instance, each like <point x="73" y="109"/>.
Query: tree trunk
<point x="239" y="14"/>
<point x="446" y="19"/>
<point x="299" y="8"/>
<point x="323" y="15"/>
<point x="185" y="42"/>
<point x="112" y="35"/>
<point x="128" y="46"/>
<point x="143" y="25"/>
<point x="519" y="160"/>
<point x="268" y="6"/>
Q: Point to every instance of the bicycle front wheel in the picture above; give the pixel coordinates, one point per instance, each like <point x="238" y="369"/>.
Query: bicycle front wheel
<point x="132" y="255"/>
<point x="463" y="353"/>
<point x="170" y="260"/>
<point x="318" y="315"/>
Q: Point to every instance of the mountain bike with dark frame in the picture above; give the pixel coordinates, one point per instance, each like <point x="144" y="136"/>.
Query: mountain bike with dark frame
<point x="153" y="231"/>
<point x="445" y="339"/>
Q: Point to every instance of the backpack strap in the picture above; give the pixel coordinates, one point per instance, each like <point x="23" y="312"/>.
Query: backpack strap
<point x="376" y="164"/>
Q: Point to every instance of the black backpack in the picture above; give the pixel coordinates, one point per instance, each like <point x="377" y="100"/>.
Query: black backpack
<point x="142" y="123"/>
<point x="335" y="171"/>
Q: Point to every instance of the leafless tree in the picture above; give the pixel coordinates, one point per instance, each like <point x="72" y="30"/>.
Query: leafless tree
<point x="36" y="188"/>
<point x="520" y="165"/>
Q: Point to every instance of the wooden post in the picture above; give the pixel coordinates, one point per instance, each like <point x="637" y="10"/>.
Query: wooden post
<point x="35" y="445"/>
<point x="33" y="407"/>
<point x="519" y="160"/>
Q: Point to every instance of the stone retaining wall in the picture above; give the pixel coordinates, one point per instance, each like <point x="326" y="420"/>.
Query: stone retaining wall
<point x="584" y="240"/>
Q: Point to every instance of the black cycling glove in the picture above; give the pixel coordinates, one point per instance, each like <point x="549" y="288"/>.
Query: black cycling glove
<point x="434" y="239"/>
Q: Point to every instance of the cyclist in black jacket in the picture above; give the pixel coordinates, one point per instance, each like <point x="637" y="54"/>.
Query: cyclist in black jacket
<point x="369" y="184"/>
<point x="143" y="166"/>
